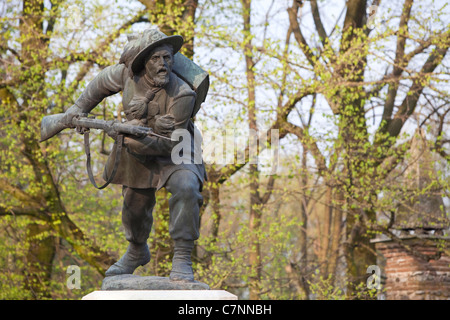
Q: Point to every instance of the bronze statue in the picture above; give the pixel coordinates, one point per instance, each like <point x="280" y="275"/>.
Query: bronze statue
<point x="154" y="96"/>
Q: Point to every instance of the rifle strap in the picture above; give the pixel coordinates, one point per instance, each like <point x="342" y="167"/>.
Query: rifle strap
<point x="88" y="160"/>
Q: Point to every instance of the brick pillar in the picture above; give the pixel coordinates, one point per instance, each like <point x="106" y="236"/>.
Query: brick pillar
<point x="425" y="276"/>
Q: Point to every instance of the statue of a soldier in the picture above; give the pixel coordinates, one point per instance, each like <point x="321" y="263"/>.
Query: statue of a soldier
<point x="156" y="97"/>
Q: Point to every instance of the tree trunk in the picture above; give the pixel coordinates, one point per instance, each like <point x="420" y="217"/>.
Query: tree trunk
<point x="255" y="205"/>
<point x="325" y="226"/>
<point x="303" y="235"/>
<point x="39" y="258"/>
<point x="215" y="214"/>
<point x="336" y="234"/>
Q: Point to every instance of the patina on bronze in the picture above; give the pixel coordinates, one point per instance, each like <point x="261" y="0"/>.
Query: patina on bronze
<point x="162" y="90"/>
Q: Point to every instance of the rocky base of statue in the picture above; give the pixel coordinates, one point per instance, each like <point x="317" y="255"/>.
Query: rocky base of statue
<point x="135" y="282"/>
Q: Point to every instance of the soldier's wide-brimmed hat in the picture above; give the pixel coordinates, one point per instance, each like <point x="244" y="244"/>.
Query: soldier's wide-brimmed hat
<point x="150" y="39"/>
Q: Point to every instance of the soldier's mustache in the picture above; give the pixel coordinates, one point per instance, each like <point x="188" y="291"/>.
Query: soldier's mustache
<point x="162" y="70"/>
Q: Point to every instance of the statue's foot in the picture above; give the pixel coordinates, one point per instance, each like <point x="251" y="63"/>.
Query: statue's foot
<point x="181" y="262"/>
<point x="136" y="255"/>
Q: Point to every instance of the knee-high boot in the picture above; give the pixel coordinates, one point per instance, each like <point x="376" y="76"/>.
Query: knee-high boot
<point x="181" y="262"/>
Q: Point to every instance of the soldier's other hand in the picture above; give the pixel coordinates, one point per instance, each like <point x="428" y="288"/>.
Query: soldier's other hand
<point x="164" y="125"/>
<point x="139" y="110"/>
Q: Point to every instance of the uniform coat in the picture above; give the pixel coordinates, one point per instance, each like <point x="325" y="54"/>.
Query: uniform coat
<point x="146" y="162"/>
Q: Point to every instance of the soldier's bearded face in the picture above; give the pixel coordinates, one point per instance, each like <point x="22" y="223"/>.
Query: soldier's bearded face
<point x="159" y="65"/>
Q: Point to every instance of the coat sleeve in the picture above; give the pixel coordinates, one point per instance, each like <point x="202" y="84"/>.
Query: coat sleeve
<point x="181" y="109"/>
<point x="108" y="82"/>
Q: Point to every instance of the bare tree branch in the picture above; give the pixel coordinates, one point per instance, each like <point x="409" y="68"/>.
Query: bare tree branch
<point x="295" y="26"/>
<point x="399" y="61"/>
<point x="318" y="22"/>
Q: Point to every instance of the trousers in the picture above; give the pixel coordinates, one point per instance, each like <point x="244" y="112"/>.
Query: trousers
<point x="184" y="208"/>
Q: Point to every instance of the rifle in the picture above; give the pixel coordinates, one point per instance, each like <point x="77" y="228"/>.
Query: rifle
<point x="53" y="124"/>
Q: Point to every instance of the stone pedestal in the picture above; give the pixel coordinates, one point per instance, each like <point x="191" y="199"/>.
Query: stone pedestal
<point x="133" y="287"/>
<point x="134" y="282"/>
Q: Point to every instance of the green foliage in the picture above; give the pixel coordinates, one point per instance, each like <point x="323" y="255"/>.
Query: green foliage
<point x="227" y="267"/>
<point x="324" y="289"/>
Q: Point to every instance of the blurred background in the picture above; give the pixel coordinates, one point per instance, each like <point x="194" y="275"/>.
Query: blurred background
<point x="349" y="201"/>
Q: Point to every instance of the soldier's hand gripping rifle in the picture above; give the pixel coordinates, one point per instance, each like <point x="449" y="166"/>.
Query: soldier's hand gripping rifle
<point x="53" y="124"/>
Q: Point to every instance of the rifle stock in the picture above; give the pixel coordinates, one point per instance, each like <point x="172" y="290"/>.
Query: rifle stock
<point x="51" y="125"/>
